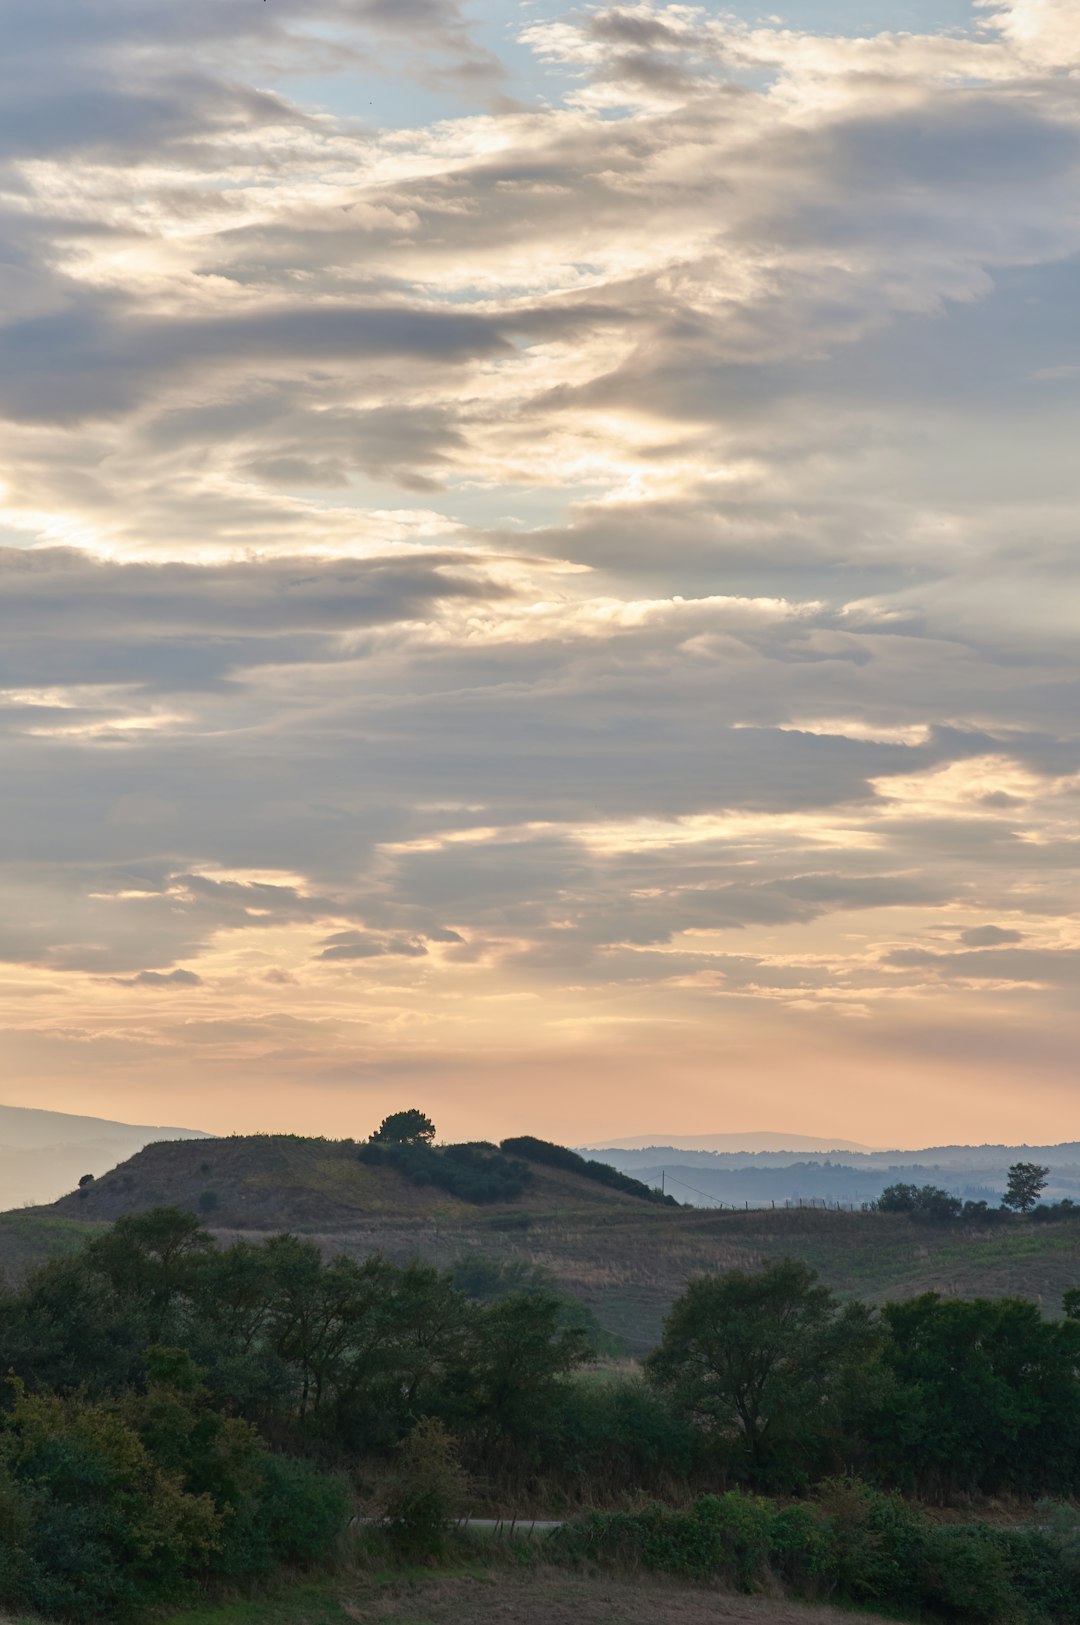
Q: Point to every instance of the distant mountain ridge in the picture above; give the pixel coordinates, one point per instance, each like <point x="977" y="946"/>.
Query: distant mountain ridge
<point x="44" y="1154"/>
<point x="764" y="1177"/>
<point x="762" y="1141"/>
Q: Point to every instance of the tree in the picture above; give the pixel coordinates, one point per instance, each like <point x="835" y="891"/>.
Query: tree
<point x="928" y="1202"/>
<point x="765" y="1359"/>
<point x="411" y="1127"/>
<point x="985" y="1398"/>
<point x="87" y="1179"/>
<point x="1027" y="1181"/>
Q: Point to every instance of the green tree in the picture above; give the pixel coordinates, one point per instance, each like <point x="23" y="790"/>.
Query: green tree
<point x="512" y="1377"/>
<point x="985" y="1397"/>
<point x="412" y="1127"/>
<point x="104" y="1531"/>
<point x="763" y="1360"/>
<point x="1027" y="1181"/>
<point x="927" y="1202"/>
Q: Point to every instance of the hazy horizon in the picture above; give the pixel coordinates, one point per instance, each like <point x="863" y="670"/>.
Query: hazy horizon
<point x="538" y="572"/>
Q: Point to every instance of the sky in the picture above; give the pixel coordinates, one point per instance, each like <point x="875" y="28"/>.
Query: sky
<point x="538" y="566"/>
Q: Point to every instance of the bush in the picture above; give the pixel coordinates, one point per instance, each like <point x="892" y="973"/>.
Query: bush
<point x="965" y="1575"/>
<point x="287" y="1512"/>
<point x="96" y="1529"/>
<point x="427" y="1493"/>
<point x="853" y="1544"/>
<point x="469" y="1172"/>
<point x="927" y="1202"/>
<point x="208" y="1201"/>
<point x="723" y="1537"/>
<point x="272" y="1508"/>
<point x="560" y="1156"/>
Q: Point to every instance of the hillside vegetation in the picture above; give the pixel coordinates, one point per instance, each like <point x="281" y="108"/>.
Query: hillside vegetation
<point x="189" y="1418"/>
<point x="626" y="1258"/>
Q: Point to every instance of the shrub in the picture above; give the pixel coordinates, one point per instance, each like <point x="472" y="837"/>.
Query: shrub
<point x="926" y="1202"/>
<point x="100" y="1530"/>
<point x="428" y="1490"/>
<point x="964" y="1574"/>
<point x="469" y="1172"/>
<point x="722" y="1537"/>
<point x="208" y="1201"/>
<point x="560" y="1156"/>
<point x="854" y="1544"/>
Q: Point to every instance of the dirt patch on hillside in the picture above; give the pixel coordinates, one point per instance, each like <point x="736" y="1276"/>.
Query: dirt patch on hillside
<point x="560" y="1599"/>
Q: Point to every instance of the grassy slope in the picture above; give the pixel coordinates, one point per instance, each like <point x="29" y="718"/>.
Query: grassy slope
<point x="29" y="1238"/>
<point x="626" y="1258"/>
<point x="276" y="1182"/>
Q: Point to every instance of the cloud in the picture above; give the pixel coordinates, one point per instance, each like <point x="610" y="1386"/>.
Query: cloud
<point x="155" y="978"/>
<point x="989" y="936"/>
<point x="354" y="945"/>
<point x="597" y="562"/>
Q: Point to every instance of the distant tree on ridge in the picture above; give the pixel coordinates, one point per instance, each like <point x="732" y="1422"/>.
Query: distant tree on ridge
<point x="410" y="1127"/>
<point x="1027" y="1181"/>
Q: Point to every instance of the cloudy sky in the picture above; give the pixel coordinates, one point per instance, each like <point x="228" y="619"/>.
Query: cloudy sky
<point x="539" y="565"/>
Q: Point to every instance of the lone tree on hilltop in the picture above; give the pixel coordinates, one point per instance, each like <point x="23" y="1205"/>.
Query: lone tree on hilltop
<point x="1027" y="1181"/>
<point x="405" y="1128"/>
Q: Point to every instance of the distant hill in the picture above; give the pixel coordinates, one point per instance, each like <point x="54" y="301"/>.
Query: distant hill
<point x="626" y="1258"/>
<point x="286" y="1182"/>
<point x="43" y="1154"/>
<point x="727" y="1142"/>
<point x="766" y="1176"/>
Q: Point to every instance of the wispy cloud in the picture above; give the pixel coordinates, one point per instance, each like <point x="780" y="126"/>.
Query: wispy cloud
<point x="578" y="591"/>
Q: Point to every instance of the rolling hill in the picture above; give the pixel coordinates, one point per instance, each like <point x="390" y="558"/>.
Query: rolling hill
<point x="626" y="1258"/>
<point x="43" y="1154"/>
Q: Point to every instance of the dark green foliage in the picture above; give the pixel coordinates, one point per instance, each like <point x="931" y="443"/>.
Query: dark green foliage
<point x="427" y="1492"/>
<point x="559" y="1156"/>
<point x="470" y="1172"/>
<point x="720" y="1537"/>
<point x="520" y="1352"/>
<point x="926" y="1202"/>
<point x="1027" y="1181"/>
<point x="984" y="1397"/>
<point x="486" y="1280"/>
<point x="273" y="1508"/>
<point x="410" y="1127"/>
<point x="178" y="1395"/>
<point x="765" y="1362"/>
<point x="87" y="1179"/>
<point x="96" y="1528"/>
<point x="610" y="1435"/>
<point x="852" y="1544"/>
<point x="208" y="1201"/>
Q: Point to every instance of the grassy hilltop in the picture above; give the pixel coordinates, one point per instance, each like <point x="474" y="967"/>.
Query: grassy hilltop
<point x="625" y="1257"/>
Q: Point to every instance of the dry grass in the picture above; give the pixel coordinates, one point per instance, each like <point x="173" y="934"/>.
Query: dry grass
<point x="551" y="1598"/>
<point x="627" y="1259"/>
<point x="505" y="1597"/>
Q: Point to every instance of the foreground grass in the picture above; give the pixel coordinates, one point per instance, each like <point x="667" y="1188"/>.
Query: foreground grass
<point x="500" y="1596"/>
